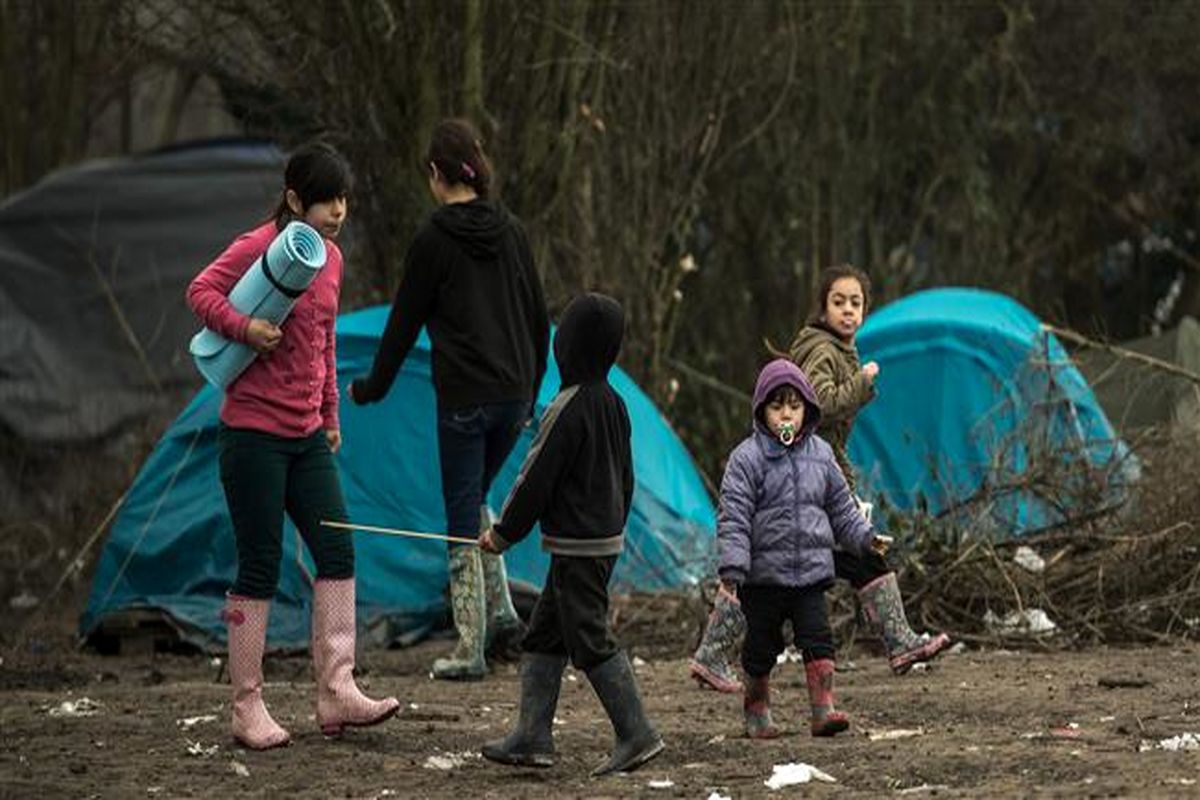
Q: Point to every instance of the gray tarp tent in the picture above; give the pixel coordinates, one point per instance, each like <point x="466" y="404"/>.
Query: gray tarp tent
<point x="94" y="260"/>
<point x="1136" y="395"/>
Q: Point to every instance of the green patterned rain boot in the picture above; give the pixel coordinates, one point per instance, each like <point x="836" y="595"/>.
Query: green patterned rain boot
<point x="710" y="664"/>
<point x="505" y="630"/>
<point x="884" y="610"/>
<point x="468" y="605"/>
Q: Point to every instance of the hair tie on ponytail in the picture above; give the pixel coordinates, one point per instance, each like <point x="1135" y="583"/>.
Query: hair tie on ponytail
<point x="467" y="171"/>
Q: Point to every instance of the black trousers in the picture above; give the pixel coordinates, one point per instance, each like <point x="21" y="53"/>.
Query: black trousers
<point x="859" y="570"/>
<point x="767" y="607"/>
<point x="266" y="475"/>
<point x="571" y="616"/>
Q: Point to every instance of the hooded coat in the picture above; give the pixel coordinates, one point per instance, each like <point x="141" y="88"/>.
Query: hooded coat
<point x="577" y="479"/>
<point x="784" y="508"/>
<point x="831" y="364"/>
<point x="469" y="275"/>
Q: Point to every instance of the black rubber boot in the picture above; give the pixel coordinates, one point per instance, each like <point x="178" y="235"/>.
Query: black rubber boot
<point x="636" y="740"/>
<point x="531" y="744"/>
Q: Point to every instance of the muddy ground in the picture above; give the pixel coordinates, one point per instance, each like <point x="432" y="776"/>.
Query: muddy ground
<point x="988" y="723"/>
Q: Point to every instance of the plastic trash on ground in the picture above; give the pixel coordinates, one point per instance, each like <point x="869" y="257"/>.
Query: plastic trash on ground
<point x="1027" y="558"/>
<point x="1184" y="741"/>
<point x="795" y="773"/>
<point x="83" y="707"/>
<point x="1030" y="622"/>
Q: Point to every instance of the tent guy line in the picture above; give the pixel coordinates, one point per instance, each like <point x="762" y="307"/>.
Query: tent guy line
<point x="349" y="526"/>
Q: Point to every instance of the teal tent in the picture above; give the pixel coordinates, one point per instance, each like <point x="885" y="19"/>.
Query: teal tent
<point x="171" y="548"/>
<point x="981" y="412"/>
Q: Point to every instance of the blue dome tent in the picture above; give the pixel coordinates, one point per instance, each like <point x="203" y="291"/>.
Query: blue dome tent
<point x="171" y="548"/>
<point x="980" y="411"/>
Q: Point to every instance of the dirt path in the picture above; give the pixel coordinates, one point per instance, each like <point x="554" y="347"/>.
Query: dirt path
<point x="993" y="724"/>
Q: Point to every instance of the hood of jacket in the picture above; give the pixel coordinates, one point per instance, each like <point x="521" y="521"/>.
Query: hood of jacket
<point x="588" y="339"/>
<point x="814" y="334"/>
<point x="782" y="372"/>
<point x="478" y="226"/>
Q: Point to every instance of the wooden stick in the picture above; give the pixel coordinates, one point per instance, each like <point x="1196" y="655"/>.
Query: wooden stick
<point x="350" y="526"/>
<point x="1121" y="352"/>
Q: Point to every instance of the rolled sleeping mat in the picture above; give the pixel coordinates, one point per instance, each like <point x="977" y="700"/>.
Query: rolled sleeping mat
<point x="269" y="290"/>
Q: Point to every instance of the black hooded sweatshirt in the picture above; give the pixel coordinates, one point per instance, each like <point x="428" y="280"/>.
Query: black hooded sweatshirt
<point x="578" y="477"/>
<point x="469" y="276"/>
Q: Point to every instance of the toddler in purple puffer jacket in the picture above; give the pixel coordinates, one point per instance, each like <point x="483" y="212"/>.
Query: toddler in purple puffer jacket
<point x="784" y="506"/>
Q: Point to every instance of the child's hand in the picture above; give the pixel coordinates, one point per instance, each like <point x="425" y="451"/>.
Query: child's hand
<point x="487" y="544"/>
<point x="263" y="336"/>
<point x="333" y="438"/>
<point x="880" y="544"/>
<point x="729" y="589"/>
<point x="870" y="369"/>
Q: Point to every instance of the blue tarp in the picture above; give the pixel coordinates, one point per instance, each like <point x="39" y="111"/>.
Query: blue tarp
<point x="172" y="546"/>
<point x="976" y="397"/>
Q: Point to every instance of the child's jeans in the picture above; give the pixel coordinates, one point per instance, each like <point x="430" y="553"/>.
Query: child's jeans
<point x="472" y="446"/>
<point x="766" y="608"/>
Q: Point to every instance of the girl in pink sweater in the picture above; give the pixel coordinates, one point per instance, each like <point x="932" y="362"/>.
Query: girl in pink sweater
<point x="279" y="431"/>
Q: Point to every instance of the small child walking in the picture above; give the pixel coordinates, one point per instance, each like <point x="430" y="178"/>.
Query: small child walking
<point x="577" y="480"/>
<point x="784" y="506"/>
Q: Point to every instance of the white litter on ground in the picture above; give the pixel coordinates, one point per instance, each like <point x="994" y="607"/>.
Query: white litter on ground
<point x="720" y="737"/>
<point x="22" y="601"/>
<point x="666" y="783"/>
<point x="925" y="787"/>
<point x="239" y="769"/>
<point x="1031" y="622"/>
<point x="191" y="722"/>
<point x="790" y="655"/>
<point x="795" y="773"/>
<point x="1027" y="558"/>
<point x="1184" y="741"/>
<point x="448" y="760"/>
<point x="83" y="707"/>
<point x="638" y="662"/>
<point x="718" y="796"/>
<point x="957" y="649"/>
<point x="882" y="735"/>
<point x="197" y="749"/>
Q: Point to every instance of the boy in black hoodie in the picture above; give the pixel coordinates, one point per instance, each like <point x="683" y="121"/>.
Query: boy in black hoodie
<point x="578" y="482"/>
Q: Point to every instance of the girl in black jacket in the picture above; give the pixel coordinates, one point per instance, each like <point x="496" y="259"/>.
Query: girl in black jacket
<point x="469" y="278"/>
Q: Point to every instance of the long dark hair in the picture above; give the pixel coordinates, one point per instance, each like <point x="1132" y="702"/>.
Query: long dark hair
<point x="831" y="275"/>
<point x="457" y="151"/>
<point x="317" y="173"/>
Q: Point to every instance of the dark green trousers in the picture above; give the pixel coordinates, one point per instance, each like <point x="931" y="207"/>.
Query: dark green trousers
<point x="266" y="475"/>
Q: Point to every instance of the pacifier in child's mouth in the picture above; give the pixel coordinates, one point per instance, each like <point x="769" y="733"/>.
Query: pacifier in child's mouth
<point x="787" y="434"/>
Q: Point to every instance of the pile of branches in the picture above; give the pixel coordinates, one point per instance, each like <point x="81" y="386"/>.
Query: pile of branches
<point x="1129" y="576"/>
